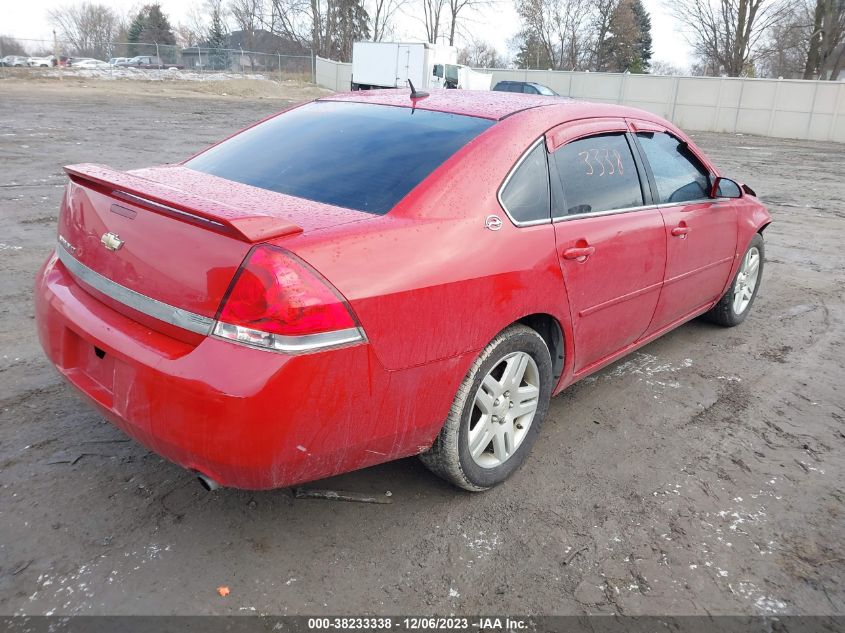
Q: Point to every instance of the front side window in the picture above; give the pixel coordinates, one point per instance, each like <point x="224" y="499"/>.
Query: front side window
<point x="355" y="155"/>
<point x="526" y="195"/>
<point x="597" y="173"/>
<point x="530" y="90"/>
<point x="679" y="175"/>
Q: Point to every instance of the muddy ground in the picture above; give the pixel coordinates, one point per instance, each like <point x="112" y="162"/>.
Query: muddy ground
<point x="703" y="474"/>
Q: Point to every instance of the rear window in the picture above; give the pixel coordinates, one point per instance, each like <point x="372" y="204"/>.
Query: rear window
<point x="354" y="155"/>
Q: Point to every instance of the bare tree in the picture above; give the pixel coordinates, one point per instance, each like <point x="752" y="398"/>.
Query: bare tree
<point x="725" y="34"/>
<point x="432" y="18"/>
<point x="248" y="16"/>
<point x="10" y="46"/>
<point x="480" y="54"/>
<point x="327" y="27"/>
<point x="560" y="29"/>
<point x="785" y="47"/>
<point x="826" y="53"/>
<point x="661" y="67"/>
<point x="382" y="15"/>
<point x="89" y="29"/>
<point x="193" y="31"/>
<point x="294" y="20"/>
<point x="458" y="9"/>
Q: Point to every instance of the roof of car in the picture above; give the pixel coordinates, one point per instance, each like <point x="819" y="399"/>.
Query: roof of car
<point x="486" y="104"/>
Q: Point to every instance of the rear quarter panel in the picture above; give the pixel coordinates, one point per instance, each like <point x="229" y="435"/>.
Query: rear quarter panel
<point x="425" y="291"/>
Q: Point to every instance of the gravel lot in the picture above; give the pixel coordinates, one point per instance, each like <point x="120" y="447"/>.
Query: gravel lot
<point x="703" y="474"/>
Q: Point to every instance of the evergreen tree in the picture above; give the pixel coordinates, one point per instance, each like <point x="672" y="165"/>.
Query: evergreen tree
<point x="627" y="47"/>
<point x="643" y="19"/>
<point x="151" y="26"/>
<point x="133" y="36"/>
<point x="348" y="22"/>
<point x="218" y="59"/>
<point x="156" y="26"/>
<point x="531" y="53"/>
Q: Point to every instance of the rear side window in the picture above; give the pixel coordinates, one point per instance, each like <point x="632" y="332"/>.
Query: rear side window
<point x="597" y="173"/>
<point x="679" y="176"/>
<point x="525" y="196"/>
<point x="356" y="155"/>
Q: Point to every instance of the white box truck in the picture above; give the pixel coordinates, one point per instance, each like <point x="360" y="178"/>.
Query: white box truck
<point x="428" y="66"/>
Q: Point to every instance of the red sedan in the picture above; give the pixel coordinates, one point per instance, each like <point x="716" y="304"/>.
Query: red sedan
<point x="370" y="276"/>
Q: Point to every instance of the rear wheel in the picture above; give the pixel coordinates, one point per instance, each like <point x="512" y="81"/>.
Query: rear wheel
<point x="497" y="412"/>
<point x="736" y="303"/>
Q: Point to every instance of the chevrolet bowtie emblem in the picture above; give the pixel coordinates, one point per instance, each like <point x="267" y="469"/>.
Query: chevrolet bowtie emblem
<point x="111" y="241"/>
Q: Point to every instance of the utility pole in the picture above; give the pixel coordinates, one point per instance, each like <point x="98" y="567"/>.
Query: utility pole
<point x="56" y="54"/>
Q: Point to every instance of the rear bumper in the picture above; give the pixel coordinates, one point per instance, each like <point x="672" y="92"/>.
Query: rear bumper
<point x="247" y="418"/>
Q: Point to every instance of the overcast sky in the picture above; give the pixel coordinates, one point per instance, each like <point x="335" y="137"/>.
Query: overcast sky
<point x="27" y="19"/>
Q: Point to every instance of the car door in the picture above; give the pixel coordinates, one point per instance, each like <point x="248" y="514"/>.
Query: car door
<point x="701" y="232"/>
<point x="609" y="237"/>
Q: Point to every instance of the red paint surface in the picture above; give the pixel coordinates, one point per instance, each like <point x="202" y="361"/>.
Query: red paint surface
<point x="428" y="283"/>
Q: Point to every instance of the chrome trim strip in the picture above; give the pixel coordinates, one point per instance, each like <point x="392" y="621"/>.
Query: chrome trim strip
<point x="667" y="205"/>
<point x="135" y="300"/>
<point x="685" y="203"/>
<point x="594" y="214"/>
<point x="197" y="323"/>
<point x="507" y="179"/>
<point x="296" y="344"/>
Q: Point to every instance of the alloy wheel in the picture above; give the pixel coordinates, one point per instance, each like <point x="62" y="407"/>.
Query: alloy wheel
<point x="503" y="409"/>
<point x="746" y="280"/>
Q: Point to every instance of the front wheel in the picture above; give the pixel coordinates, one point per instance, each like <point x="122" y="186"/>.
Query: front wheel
<point x="736" y="303"/>
<point x="497" y="412"/>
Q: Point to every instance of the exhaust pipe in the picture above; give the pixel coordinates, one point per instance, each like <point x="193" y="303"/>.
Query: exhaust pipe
<point x="207" y="482"/>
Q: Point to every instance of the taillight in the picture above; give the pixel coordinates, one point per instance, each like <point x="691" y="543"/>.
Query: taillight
<point x="278" y="302"/>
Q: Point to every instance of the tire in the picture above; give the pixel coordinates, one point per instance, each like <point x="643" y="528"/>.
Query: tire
<point x="729" y="311"/>
<point x="450" y="456"/>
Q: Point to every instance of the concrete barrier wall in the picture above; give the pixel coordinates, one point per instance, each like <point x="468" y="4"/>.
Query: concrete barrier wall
<point x="780" y="108"/>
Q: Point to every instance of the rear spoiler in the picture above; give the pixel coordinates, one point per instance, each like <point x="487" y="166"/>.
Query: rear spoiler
<point x="181" y="205"/>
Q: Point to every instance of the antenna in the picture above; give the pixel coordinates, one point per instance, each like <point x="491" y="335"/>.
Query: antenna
<point x="414" y="93"/>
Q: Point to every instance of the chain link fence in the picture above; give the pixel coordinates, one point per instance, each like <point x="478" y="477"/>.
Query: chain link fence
<point x="131" y="59"/>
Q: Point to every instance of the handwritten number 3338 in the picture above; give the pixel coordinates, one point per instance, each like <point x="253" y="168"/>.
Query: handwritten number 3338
<point x="602" y="161"/>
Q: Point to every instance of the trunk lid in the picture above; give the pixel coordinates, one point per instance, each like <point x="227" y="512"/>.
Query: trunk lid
<point x="173" y="235"/>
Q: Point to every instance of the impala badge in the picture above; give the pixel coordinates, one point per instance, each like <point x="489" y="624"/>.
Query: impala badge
<point x="70" y="248"/>
<point x="493" y="222"/>
<point x="111" y="241"/>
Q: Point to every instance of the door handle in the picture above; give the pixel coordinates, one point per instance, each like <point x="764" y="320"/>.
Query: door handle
<point x="680" y="231"/>
<point x="580" y="253"/>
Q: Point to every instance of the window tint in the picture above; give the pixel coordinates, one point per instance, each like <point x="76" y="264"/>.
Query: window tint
<point x="598" y="173"/>
<point x="529" y="89"/>
<point x="678" y="174"/>
<point x="356" y="155"/>
<point x="526" y="196"/>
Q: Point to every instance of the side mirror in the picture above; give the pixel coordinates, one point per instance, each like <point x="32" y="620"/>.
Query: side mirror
<point x="725" y="188"/>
